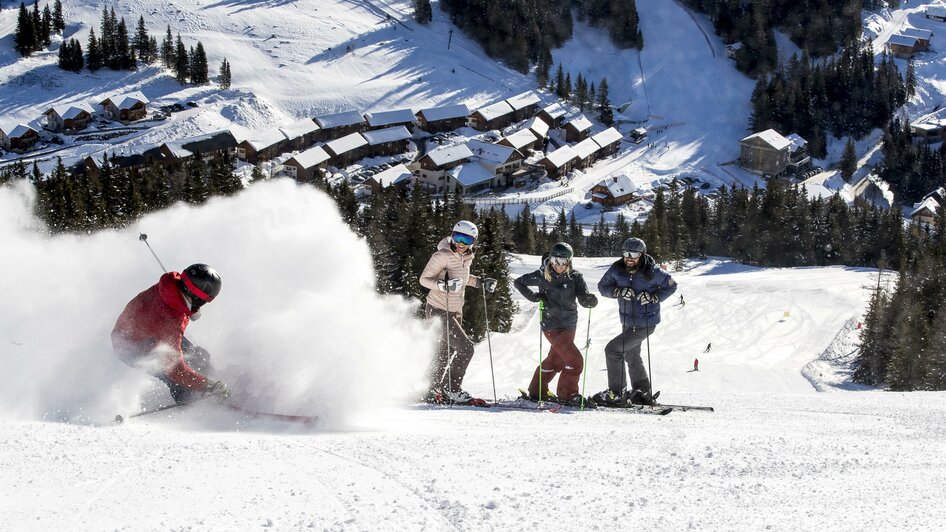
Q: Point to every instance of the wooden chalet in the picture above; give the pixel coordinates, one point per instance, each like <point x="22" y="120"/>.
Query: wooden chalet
<point x="501" y="160"/>
<point x="553" y="115"/>
<point x="346" y="150"/>
<point x="208" y="147"/>
<point x="609" y="141"/>
<point x="444" y="118"/>
<point x="615" y="190"/>
<point x="126" y="107"/>
<point x="524" y="105"/>
<point x="160" y="156"/>
<point x="799" y="156"/>
<point x="301" y="134"/>
<point x="19" y="139"/>
<point x="432" y="168"/>
<point x="931" y="130"/>
<point x="558" y="163"/>
<point x="397" y="176"/>
<point x="764" y="153"/>
<point x="69" y="118"/>
<point x="538" y="127"/>
<point x="929" y="207"/>
<point x="308" y="165"/>
<point x="586" y="153"/>
<point x="522" y="140"/>
<point x="263" y="146"/>
<point x="923" y="37"/>
<point x="389" y="119"/>
<point x="339" y="125"/>
<point x="495" y="116"/>
<point x="936" y="13"/>
<point x="902" y="46"/>
<point x="387" y="141"/>
<point x="578" y="129"/>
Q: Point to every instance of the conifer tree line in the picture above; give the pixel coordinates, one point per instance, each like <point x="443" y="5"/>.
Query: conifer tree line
<point x="846" y="95"/>
<point x="524" y="33"/>
<point x="583" y="95"/>
<point x="903" y="340"/>
<point x="34" y="28"/>
<point x="912" y="169"/>
<point x="818" y="26"/>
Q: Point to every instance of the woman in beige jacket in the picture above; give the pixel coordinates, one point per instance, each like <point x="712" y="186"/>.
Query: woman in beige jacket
<point x="446" y="275"/>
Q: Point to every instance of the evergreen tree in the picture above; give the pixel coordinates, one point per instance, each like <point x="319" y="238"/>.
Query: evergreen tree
<point x="94" y="59"/>
<point x="25" y="33"/>
<point x="606" y="115"/>
<point x="198" y="67"/>
<point x="560" y="82"/>
<point x="168" y="56"/>
<point x="225" y="77"/>
<point x="848" y="163"/>
<point x="423" y="13"/>
<point x="911" y="78"/>
<point x="124" y="54"/>
<point x="58" y="22"/>
<point x="141" y="43"/>
<point x="47" y="25"/>
<point x="181" y="62"/>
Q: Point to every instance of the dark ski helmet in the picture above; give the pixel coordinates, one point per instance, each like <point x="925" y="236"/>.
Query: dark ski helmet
<point x="561" y="250"/>
<point x="201" y="282"/>
<point x="634" y="244"/>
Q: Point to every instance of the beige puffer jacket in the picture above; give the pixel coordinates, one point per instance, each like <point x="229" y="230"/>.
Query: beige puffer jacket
<point x="456" y="266"/>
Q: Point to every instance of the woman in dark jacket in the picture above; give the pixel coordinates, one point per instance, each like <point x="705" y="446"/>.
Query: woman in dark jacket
<point x="558" y="286"/>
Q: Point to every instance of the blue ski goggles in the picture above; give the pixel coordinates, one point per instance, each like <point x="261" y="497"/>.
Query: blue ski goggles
<point x="631" y="254"/>
<point x="463" y="238"/>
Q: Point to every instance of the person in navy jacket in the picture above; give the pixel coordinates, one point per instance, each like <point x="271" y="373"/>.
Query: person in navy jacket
<point x="639" y="285"/>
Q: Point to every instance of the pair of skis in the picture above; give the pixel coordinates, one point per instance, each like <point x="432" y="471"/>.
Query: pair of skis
<point x="254" y="414"/>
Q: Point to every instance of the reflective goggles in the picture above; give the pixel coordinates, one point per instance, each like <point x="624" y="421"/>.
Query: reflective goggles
<point x="463" y="238"/>
<point x="560" y="261"/>
<point x="631" y="254"/>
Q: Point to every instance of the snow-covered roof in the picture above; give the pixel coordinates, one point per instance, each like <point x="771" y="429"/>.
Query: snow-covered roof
<point x="299" y="128"/>
<point x="391" y="134"/>
<point x="450" y="154"/>
<point x="619" y="185"/>
<point x="469" y="174"/>
<point x="312" y="157"/>
<point x="561" y="156"/>
<point x="555" y="110"/>
<point x="261" y="141"/>
<point x="586" y="148"/>
<point x="494" y="153"/>
<point x="19" y="130"/>
<point x="581" y="123"/>
<point x="903" y="40"/>
<point x="393" y="176"/>
<point x="521" y="101"/>
<point x="538" y="126"/>
<point x="936" y="11"/>
<point x="930" y="125"/>
<point x="607" y="137"/>
<point x="521" y="138"/>
<point x="386" y="118"/>
<point x="919" y="33"/>
<point x="72" y="110"/>
<point x="128" y="100"/>
<point x="446" y="112"/>
<point x="348" y="118"/>
<point x="492" y="112"/>
<point x="218" y="140"/>
<point x="346" y="144"/>
<point x="928" y="203"/>
<point x="796" y="141"/>
<point x="770" y="137"/>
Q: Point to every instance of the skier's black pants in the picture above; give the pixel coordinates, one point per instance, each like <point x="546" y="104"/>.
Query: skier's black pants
<point x="462" y="352"/>
<point x="626" y="348"/>
<point x="197" y="358"/>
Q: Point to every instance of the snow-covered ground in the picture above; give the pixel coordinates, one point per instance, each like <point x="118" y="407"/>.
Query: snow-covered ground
<point x="298" y="329"/>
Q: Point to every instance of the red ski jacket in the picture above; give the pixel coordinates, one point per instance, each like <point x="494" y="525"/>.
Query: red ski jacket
<point x="157" y="317"/>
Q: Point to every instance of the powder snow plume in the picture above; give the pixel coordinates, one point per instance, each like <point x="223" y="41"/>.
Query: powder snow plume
<point x="297" y="328"/>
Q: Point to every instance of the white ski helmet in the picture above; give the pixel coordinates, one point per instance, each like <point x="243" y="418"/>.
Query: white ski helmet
<point x="467" y="228"/>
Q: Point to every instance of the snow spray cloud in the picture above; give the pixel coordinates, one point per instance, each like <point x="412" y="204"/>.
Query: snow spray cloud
<point x="297" y="327"/>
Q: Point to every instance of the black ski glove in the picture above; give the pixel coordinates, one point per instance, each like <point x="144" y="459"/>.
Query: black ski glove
<point x="589" y="301"/>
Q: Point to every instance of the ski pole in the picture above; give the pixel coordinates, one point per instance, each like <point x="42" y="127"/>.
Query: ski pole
<point x="144" y="238"/>
<point x="584" y="369"/>
<point x="541" y="314"/>
<point x="449" y="374"/>
<point x="121" y="419"/>
<point x="489" y="345"/>
<point x="650" y="372"/>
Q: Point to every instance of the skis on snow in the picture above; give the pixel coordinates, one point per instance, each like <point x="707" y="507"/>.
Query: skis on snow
<point x="253" y="414"/>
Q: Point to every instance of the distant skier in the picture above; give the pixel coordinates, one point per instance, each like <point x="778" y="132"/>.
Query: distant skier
<point x="446" y="275"/>
<point x="559" y="287"/>
<point x="696" y="364"/>
<point x="639" y="285"/>
<point x="708" y="347"/>
<point x="149" y="333"/>
<point x="682" y="302"/>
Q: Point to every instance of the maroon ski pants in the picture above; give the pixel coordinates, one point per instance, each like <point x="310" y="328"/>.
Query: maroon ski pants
<point x="565" y="358"/>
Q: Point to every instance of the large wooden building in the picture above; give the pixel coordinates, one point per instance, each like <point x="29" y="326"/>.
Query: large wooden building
<point x="765" y="153"/>
<point x="69" y="118"/>
<point x="126" y="107"/>
<point x="444" y="118"/>
<point x="495" y="116"/>
<point x="338" y="125"/>
<point x="19" y="139"/>
<point x="615" y="190"/>
<point x="308" y="165"/>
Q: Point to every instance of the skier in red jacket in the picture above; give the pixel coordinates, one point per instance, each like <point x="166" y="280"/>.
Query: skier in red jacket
<point x="149" y="334"/>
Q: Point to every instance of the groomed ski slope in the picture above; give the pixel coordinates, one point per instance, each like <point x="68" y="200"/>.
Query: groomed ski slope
<point x="298" y="329"/>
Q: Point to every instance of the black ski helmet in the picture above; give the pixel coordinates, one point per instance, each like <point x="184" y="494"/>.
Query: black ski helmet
<point x="634" y="244"/>
<point x="201" y="282"/>
<point x="561" y="250"/>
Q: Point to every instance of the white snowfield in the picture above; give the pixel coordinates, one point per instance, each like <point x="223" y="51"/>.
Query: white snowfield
<point x="776" y="454"/>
